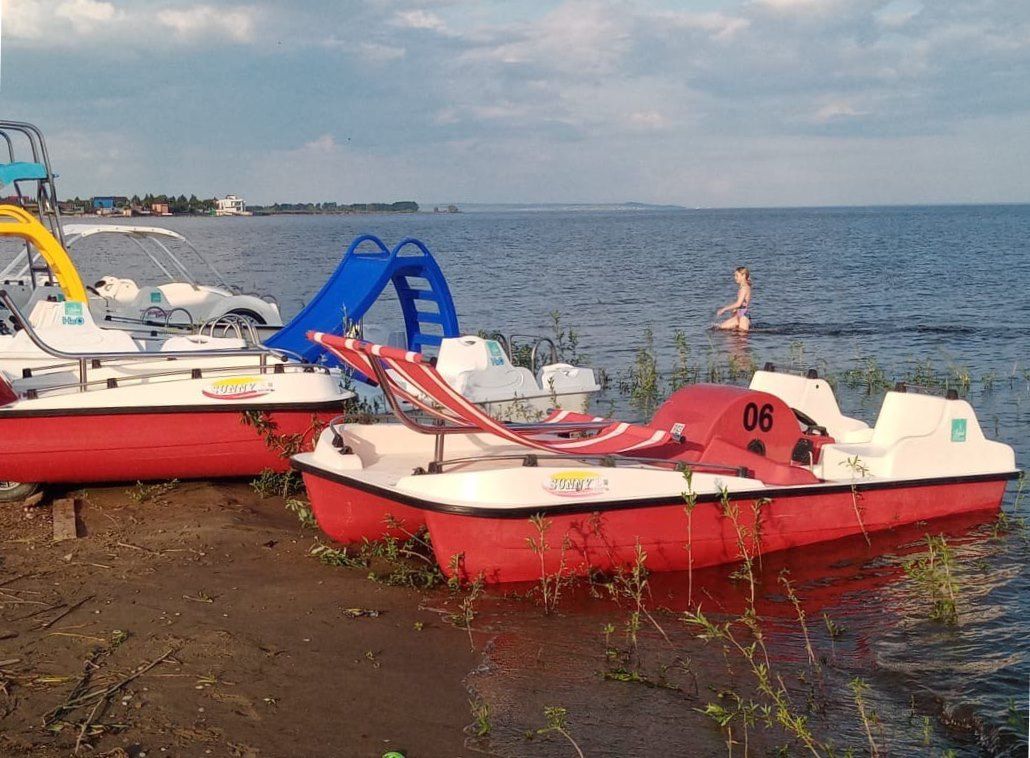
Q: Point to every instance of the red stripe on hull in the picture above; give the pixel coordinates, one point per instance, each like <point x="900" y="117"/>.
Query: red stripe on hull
<point x="350" y="515"/>
<point x="499" y="548"/>
<point x="125" y="447"/>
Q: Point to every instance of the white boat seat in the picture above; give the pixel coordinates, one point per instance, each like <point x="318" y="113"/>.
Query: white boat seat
<point x="67" y="326"/>
<point x="855" y="436"/>
<point x="115" y="288"/>
<point x="201" y="342"/>
<point x="916" y="436"/>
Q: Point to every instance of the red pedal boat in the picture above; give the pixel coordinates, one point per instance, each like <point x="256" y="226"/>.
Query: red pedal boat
<point x="767" y="468"/>
<point x="126" y="416"/>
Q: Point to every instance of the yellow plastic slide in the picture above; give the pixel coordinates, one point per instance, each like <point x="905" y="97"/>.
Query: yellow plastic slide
<point x="15" y="222"/>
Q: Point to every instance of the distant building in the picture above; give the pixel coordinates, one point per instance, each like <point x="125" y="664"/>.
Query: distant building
<point x="231" y="205"/>
<point x="160" y="209"/>
<point x="108" y="202"/>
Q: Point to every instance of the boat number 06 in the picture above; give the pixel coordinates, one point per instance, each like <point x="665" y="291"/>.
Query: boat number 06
<point x="753" y="417"/>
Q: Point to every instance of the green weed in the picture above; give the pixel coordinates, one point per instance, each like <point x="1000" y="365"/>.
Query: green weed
<point x="934" y="573"/>
<point x="143" y="493"/>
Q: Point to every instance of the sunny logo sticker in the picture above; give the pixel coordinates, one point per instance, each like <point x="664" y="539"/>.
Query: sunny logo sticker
<point x="238" y="388"/>
<point x="576" y="484"/>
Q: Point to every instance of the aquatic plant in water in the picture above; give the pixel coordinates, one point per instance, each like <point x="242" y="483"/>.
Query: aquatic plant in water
<point x="934" y="573"/>
<point x="644" y="378"/>
<point x="550" y="584"/>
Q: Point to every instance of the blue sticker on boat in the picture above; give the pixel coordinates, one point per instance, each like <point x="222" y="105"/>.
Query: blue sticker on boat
<point x="496" y="354"/>
<point x="958" y="430"/>
<point x="72" y="315"/>
<point x="155" y="297"/>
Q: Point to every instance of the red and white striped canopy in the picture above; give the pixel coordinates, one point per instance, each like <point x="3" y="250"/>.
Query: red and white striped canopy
<point x="419" y="372"/>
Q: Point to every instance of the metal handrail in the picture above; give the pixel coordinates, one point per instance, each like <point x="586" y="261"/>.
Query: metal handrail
<point x="234" y="322"/>
<point x="57" y="353"/>
<point x="115" y="382"/>
<point x="262" y="353"/>
<point x="507" y="344"/>
<point x="439" y="429"/>
<point x="567" y="427"/>
<point x="533" y="352"/>
<point x="612" y="461"/>
<point x="436" y="466"/>
<point x="173" y="311"/>
<point x="38" y="146"/>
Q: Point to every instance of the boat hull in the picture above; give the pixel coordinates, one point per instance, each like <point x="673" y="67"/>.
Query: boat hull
<point x="603" y="537"/>
<point x="605" y="541"/>
<point x="347" y="514"/>
<point x="114" y="445"/>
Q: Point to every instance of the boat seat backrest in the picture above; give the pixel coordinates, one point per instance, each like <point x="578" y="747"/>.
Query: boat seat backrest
<point x="122" y="290"/>
<point x="68" y="325"/>
<point x="813" y="397"/>
<point x="47" y="313"/>
<point x="564" y="377"/>
<point x="473" y="364"/>
<point x="919" y="436"/>
<point x="509" y="378"/>
<point x="908" y="414"/>
<point x="468" y="353"/>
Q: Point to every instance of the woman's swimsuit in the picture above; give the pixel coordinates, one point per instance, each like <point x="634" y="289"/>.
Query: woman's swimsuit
<point x="744" y="310"/>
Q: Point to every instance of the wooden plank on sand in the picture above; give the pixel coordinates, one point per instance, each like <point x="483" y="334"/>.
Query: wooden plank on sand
<point x="65" y="513"/>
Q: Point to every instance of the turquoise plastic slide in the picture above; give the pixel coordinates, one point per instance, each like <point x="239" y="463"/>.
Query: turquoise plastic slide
<point x="359" y="280"/>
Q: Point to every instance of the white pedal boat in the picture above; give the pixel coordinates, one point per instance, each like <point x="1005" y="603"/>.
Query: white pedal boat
<point x="183" y="299"/>
<point x="481" y="370"/>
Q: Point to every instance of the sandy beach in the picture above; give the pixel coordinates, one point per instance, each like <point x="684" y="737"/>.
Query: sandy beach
<point x="247" y="642"/>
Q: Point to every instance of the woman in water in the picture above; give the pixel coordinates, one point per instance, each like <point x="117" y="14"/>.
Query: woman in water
<point x="741" y="318"/>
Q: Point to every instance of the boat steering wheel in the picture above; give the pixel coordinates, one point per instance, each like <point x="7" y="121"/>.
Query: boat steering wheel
<point x="811" y="427"/>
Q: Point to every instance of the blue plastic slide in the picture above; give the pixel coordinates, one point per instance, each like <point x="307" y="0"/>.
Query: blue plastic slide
<point x="359" y="280"/>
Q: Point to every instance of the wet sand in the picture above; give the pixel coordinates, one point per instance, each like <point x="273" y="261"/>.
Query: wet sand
<point x="255" y="654"/>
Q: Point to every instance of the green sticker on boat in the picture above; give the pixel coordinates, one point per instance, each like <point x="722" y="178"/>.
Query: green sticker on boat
<point x="155" y="297"/>
<point x="958" y="430"/>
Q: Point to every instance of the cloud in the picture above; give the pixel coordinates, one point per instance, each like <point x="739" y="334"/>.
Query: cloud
<point x="324" y="145"/>
<point x="572" y="98"/>
<point x="648" y="120"/>
<point x="579" y="38"/>
<point x="419" y="19"/>
<point x="37" y="20"/>
<point x="718" y="25"/>
<point x="235" y="23"/>
<point x="24" y="19"/>
<point x="114" y="27"/>
<point x="836" y="112"/>
<point x="380" y="53"/>
<point x="85" y="13"/>
<point x="796" y="6"/>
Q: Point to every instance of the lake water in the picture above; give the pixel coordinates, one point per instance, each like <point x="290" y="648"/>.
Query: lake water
<point x="943" y="287"/>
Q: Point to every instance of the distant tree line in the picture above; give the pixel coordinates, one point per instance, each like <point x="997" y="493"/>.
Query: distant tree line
<point x="177" y="205"/>
<point x="405" y="206"/>
<point x="183" y="205"/>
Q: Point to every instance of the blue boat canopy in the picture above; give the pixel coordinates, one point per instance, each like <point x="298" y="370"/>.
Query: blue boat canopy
<point x="20" y="171"/>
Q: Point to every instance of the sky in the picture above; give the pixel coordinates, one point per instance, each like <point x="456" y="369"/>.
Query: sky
<point x="706" y="103"/>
